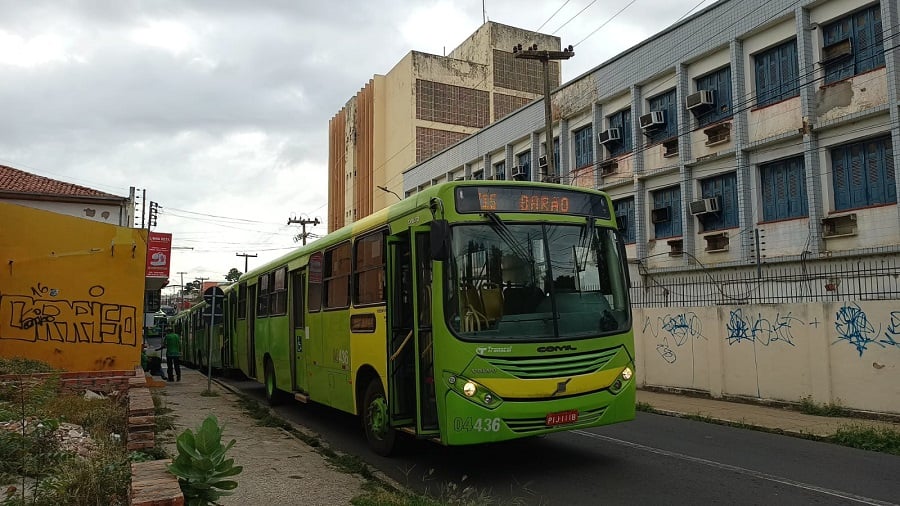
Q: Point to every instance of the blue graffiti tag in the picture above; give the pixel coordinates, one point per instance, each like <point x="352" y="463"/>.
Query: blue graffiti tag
<point x="853" y="326"/>
<point x="678" y="329"/>
<point x="760" y="330"/>
<point x="893" y="331"/>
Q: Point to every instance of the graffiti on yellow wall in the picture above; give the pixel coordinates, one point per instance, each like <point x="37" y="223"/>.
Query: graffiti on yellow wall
<point x="44" y="315"/>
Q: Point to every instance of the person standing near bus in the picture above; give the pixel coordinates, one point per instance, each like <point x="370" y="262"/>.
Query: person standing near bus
<point x="172" y="344"/>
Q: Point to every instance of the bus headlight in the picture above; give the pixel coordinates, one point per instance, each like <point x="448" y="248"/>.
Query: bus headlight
<point x="627" y="373"/>
<point x="473" y="391"/>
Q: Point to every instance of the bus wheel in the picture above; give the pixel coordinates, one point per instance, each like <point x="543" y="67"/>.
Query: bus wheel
<point x="272" y="394"/>
<point x="376" y="420"/>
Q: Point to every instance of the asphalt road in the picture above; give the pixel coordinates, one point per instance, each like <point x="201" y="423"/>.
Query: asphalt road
<point x="655" y="459"/>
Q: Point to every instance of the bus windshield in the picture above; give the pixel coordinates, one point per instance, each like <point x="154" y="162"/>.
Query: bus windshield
<point x="535" y="282"/>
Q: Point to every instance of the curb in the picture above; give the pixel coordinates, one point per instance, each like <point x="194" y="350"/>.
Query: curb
<point x="739" y="424"/>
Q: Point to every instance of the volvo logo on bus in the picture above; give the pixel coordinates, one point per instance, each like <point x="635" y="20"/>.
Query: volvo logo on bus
<point x="551" y="349"/>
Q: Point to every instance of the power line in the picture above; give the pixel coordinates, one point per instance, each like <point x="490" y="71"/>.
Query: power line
<point x="552" y="15"/>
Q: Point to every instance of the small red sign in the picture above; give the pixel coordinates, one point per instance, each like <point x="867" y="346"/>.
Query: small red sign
<point x="562" y="417"/>
<point x="159" y="252"/>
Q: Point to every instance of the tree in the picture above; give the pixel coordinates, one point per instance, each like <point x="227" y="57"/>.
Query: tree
<point x="233" y="275"/>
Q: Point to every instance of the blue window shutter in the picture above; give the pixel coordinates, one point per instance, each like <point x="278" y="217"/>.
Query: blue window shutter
<point x="890" y="182"/>
<point x="724" y="91"/>
<point x="671" y="114"/>
<point x="789" y="70"/>
<point x="840" y="177"/>
<point x="626" y="207"/>
<point x="857" y="176"/>
<point x="730" y="200"/>
<point x="784" y="184"/>
<point x="769" y="192"/>
<point x="669" y="105"/>
<point x="669" y="197"/>
<point x="763" y="90"/>
<point x="780" y="178"/>
<point x="797" y="188"/>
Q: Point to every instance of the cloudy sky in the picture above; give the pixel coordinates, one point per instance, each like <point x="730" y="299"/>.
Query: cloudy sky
<point x="219" y="109"/>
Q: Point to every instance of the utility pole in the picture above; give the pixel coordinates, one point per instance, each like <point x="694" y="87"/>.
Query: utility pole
<point x="181" y="305"/>
<point x="245" y="255"/>
<point x="532" y="53"/>
<point x="303" y="223"/>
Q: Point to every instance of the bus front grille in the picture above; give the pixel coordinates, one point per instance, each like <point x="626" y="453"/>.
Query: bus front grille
<point x="553" y="366"/>
<point x="522" y="425"/>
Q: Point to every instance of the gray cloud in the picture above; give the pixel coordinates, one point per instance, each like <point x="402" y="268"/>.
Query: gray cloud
<point x="233" y="121"/>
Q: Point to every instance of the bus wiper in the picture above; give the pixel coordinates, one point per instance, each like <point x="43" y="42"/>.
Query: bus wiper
<point x="508" y="237"/>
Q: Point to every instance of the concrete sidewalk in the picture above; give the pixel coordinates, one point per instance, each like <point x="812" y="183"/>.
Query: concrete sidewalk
<point x="782" y="420"/>
<point x="279" y="468"/>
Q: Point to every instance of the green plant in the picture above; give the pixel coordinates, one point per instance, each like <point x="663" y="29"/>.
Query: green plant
<point x="810" y="407"/>
<point x="103" y="478"/>
<point x="878" y="439"/>
<point x="201" y="466"/>
<point x="646" y="407"/>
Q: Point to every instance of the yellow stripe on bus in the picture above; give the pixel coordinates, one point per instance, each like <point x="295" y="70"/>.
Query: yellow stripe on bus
<point x="542" y="388"/>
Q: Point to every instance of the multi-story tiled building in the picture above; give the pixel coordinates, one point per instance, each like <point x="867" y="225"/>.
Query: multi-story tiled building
<point x="753" y="131"/>
<point x="421" y="106"/>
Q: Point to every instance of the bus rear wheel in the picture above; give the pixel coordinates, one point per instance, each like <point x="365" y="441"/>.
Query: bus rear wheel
<point x="377" y="421"/>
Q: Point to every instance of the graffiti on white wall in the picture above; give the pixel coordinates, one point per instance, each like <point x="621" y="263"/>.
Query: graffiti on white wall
<point x="46" y="315"/>
<point x="761" y="329"/>
<point x="853" y="327"/>
<point x="672" y="332"/>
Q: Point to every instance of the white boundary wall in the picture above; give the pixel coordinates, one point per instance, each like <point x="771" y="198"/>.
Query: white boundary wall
<point x="836" y="352"/>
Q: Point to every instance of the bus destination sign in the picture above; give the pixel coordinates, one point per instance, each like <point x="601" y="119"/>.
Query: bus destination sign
<point x="509" y="199"/>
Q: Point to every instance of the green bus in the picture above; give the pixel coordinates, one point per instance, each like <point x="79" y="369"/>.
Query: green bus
<point x="471" y="312"/>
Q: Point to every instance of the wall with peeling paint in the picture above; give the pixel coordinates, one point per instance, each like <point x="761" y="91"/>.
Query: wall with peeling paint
<point x="71" y="290"/>
<point x="114" y="214"/>
<point x="846" y="353"/>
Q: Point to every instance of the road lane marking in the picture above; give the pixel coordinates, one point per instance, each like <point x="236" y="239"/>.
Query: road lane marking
<point x="742" y="470"/>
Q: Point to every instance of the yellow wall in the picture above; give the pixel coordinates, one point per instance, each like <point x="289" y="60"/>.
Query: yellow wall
<point x="71" y="290"/>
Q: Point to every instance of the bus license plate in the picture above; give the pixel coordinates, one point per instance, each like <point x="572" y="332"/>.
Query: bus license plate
<point x="561" y="418"/>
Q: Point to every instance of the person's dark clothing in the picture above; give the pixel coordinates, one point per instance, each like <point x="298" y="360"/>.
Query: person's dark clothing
<point x="172" y="345"/>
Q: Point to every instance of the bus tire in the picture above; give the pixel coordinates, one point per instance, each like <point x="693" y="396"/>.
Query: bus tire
<point x="376" y="420"/>
<point x="273" y="395"/>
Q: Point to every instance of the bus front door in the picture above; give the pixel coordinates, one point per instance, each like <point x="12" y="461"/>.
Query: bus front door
<point x="411" y="394"/>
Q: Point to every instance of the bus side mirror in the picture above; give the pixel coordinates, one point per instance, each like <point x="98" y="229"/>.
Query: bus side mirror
<point x="440" y="240"/>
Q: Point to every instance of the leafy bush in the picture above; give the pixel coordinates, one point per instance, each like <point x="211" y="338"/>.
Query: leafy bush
<point x="201" y="466"/>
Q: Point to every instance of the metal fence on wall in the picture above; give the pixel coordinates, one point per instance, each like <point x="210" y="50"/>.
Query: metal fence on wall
<point x="813" y="281"/>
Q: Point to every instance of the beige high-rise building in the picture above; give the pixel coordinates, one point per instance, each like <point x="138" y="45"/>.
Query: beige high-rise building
<point x="420" y="107"/>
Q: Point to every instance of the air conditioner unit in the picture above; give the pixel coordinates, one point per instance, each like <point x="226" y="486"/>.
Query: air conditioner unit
<point x="542" y="161"/>
<point x="610" y="167"/>
<point x="518" y="173"/>
<point x="836" y="51"/>
<point x="653" y="120"/>
<point x="700" y="99"/>
<point x="703" y="206"/>
<point x="661" y="214"/>
<point x="609" y="135"/>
